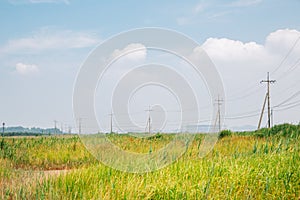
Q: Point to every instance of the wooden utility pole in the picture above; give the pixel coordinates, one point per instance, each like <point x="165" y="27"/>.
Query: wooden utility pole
<point x="262" y="111"/>
<point x="79" y="125"/>
<point x="268" y="81"/>
<point x="62" y="127"/>
<point x="3" y="125"/>
<point x="55" y="122"/>
<point x="272" y="117"/>
<point x="149" y="120"/>
<point x="219" y="102"/>
<point x="111" y="122"/>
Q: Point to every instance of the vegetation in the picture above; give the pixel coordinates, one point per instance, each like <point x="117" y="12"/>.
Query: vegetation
<point x="250" y="165"/>
<point x="19" y="130"/>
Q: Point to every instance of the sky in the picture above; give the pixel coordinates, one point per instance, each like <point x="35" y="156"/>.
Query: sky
<point x="43" y="44"/>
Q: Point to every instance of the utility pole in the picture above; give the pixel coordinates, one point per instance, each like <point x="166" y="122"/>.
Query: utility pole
<point x="262" y="111"/>
<point x="62" y="127"/>
<point x="55" y="122"/>
<point x="268" y="81"/>
<point x="79" y="125"/>
<point x="149" y="120"/>
<point x="3" y="125"/>
<point x="111" y="122"/>
<point x="272" y="118"/>
<point x="219" y="102"/>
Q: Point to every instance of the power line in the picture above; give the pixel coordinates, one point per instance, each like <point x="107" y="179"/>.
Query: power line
<point x="287" y="55"/>
<point x="289" y="107"/>
<point x="292" y="68"/>
<point x="243" y="116"/>
<point x="253" y="90"/>
<point x="166" y="111"/>
<point x="244" y="96"/>
<point x="289" y="104"/>
<point x="289" y="87"/>
<point x="280" y="64"/>
<point x="245" y="113"/>
<point x="288" y="99"/>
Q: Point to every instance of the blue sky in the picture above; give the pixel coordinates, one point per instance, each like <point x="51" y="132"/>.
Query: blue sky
<point x="246" y="20"/>
<point x="44" y="42"/>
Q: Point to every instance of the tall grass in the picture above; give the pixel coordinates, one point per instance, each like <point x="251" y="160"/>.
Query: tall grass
<point x="44" y="153"/>
<point x="256" y="165"/>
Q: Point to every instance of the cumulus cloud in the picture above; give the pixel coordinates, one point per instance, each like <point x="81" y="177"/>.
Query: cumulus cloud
<point x="25" y="69"/>
<point x="276" y="44"/>
<point x="245" y="62"/>
<point x="242" y="65"/>
<point x="50" y="39"/>
<point x="132" y="52"/>
<point x="282" y="40"/>
<point x="227" y="50"/>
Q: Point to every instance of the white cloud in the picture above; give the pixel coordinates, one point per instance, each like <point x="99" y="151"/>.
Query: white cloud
<point x="50" y="39"/>
<point x="132" y="52"/>
<point x="242" y="65"/>
<point x="242" y="62"/>
<point x="277" y="43"/>
<point x="16" y="2"/>
<point x="245" y="3"/>
<point x="282" y="40"/>
<point x="227" y="50"/>
<point x="25" y="69"/>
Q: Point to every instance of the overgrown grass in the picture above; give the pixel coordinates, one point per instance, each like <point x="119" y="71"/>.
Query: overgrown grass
<point x="254" y="165"/>
<point x="44" y="153"/>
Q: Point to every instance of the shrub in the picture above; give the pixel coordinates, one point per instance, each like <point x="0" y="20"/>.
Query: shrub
<point x="225" y="133"/>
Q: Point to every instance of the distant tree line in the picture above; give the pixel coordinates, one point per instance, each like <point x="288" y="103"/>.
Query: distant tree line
<point x="34" y="131"/>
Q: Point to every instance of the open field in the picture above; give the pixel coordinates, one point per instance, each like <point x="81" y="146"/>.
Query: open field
<point x="252" y="165"/>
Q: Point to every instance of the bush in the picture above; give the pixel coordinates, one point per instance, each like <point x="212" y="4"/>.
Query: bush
<point x="225" y="133"/>
<point x="280" y="130"/>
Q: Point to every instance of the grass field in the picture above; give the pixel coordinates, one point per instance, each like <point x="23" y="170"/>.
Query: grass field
<point x="251" y="165"/>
